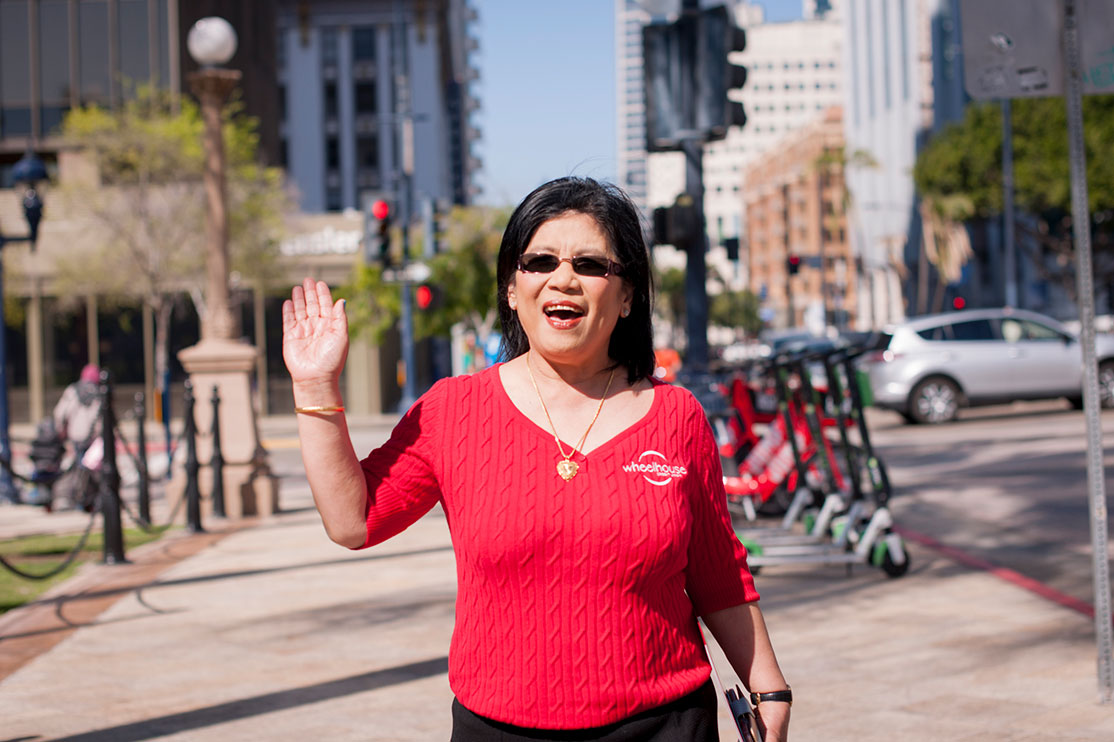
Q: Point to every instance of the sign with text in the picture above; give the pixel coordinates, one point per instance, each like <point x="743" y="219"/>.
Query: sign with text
<point x="1015" y="49"/>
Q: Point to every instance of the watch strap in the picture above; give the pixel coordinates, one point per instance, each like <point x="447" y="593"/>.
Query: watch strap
<point x="784" y="696"/>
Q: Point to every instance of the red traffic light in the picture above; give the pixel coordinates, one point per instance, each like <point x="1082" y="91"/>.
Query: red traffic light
<point x="423" y="296"/>
<point x="794" y="260"/>
<point x="959" y="302"/>
<point x="380" y="209"/>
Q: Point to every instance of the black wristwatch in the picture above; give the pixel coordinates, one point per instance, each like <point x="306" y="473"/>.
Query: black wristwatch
<point x="785" y="696"/>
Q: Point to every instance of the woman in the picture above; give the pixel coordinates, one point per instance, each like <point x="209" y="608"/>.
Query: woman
<point x="585" y="499"/>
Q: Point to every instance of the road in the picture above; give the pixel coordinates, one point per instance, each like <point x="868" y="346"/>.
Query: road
<point x="1006" y="484"/>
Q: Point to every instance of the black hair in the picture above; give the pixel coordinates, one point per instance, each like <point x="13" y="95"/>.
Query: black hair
<point x="632" y="340"/>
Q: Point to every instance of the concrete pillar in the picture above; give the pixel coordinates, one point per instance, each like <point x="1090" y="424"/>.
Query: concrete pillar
<point x="249" y="486"/>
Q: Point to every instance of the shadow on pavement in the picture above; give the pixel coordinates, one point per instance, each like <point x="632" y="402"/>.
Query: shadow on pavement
<point x="263" y="704"/>
<point x="60" y="601"/>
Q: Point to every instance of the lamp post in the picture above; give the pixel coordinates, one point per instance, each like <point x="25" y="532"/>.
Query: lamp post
<point x="220" y="359"/>
<point x="212" y="42"/>
<point x="29" y="170"/>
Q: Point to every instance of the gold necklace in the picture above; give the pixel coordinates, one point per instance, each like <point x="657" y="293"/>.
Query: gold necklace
<point x="567" y="468"/>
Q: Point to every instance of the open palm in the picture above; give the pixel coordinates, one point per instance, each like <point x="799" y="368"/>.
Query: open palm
<point x="314" y="333"/>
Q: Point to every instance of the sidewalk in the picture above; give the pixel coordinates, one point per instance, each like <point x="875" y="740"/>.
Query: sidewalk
<point x="272" y="632"/>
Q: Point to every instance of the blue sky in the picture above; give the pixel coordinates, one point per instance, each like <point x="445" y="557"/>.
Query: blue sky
<point x="547" y="91"/>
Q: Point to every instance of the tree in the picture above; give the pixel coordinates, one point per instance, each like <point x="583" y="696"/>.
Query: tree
<point x="736" y="309"/>
<point x="670" y="304"/>
<point x="145" y="205"/>
<point x="960" y="170"/>
<point x="463" y="272"/>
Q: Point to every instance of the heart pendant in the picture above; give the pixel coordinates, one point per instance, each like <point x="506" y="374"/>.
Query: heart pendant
<point x="567" y="469"/>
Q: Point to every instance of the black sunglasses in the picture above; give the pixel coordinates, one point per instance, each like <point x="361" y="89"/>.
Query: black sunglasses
<point x="582" y="265"/>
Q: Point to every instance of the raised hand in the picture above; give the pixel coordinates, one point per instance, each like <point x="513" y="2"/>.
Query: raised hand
<point x="314" y="334"/>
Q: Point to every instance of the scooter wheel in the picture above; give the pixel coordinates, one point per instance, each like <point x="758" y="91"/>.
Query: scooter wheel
<point x="892" y="568"/>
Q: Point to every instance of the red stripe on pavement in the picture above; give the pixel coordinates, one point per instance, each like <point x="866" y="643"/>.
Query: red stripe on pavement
<point x="1003" y="573"/>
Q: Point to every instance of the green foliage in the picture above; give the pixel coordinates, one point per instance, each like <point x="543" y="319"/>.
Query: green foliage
<point x="41" y="553"/>
<point x="147" y="208"/>
<point x="965" y="159"/>
<point x="373" y="304"/>
<point x="670" y="285"/>
<point x="736" y="309"/>
<point x="463" y="273"/>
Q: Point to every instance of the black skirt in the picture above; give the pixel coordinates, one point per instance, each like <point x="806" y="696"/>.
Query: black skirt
<point x="691" y="718"/>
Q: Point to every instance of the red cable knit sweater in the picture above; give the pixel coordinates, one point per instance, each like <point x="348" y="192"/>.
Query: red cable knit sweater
<point x="577" y="601"/>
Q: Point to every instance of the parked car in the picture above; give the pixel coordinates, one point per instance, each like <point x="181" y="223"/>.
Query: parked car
<point x="929" y="367"/>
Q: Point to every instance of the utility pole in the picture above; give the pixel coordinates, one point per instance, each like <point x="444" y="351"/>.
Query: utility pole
<point x="404" y="169"/>
<point x="1009" y="266"/>
<point x="688" y="75"/>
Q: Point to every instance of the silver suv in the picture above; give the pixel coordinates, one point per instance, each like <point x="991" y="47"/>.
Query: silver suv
<point x="929" y="367"/>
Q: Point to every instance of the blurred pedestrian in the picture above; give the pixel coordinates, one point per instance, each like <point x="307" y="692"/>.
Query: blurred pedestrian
<point x="77" y="421"/>
<point x="585" y="498"/>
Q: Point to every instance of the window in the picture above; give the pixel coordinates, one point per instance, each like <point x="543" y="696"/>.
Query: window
<point x="367" y="153"/>
<point x="363" y="43"/>
<point x="973" y="330"/>
<point x="54" y="63"/>
<point x="330" y="100"/>
<point x="332" y="153"/>
<point x="365" y="97"/>
<point x="15" y="76"/>
<point x="93" y="30"/>
<point x="1037" y="331"/>
<point x="132" y="34"/>
<point x="328" y="47"/>
<point x="333" y="199"/>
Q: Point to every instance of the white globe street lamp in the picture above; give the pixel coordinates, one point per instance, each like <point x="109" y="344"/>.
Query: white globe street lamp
<point x="212" y="42"/>
<point x="220" y="360"/>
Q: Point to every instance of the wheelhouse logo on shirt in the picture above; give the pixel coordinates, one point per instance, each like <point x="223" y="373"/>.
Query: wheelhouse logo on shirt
<point x="655" y="468"/>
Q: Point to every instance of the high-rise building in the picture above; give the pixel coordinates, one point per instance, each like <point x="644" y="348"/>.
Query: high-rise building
<point x="797" y="257"/>
<point x="370" y="91"/>
<point x="793" y="74"/>
<point x="904" y="79"/>
<point x="630" y="93"/>
<point x="331" y="83"/>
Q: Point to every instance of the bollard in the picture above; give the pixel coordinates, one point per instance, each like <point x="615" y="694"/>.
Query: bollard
<point x="193" y="492"/>
<point x="110" y="479"/>
<point x="141" y="458"/>
<point x="216" y="461"/>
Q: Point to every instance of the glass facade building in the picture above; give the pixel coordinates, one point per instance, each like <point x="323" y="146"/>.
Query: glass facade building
<point x="59" y="54"/>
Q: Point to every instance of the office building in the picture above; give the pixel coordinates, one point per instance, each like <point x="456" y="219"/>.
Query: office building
<point x="361" y="104"/>
<point x="319" y="75"/>
<point x="904" y="80"/>
<point x="798" y="260"/>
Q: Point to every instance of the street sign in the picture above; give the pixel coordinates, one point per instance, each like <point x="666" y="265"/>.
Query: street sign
<point x="1037" y="48"/>
<point x="413" y="272"/>
<point x="1015" y="49"/>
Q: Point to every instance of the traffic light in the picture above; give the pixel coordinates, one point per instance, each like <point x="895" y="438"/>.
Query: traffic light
<point x="677" y="224"/>
<point x="731" y="245"/>
<point x="428" y="297"/>
<point x="719" y="38"/>
<point x="687" y="76"/>
<point x="959" y="303"/>
<point x="793" y="264"/>
<point x="377" y="230"/>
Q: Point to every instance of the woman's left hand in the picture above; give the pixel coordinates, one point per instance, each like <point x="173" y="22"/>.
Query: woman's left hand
<point x="773" y="721"/>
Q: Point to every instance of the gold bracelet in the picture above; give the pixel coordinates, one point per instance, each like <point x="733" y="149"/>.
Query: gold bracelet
<point x="320" y="408"/>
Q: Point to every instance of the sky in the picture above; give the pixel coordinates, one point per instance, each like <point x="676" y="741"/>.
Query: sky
<point x="547" y="91"/>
